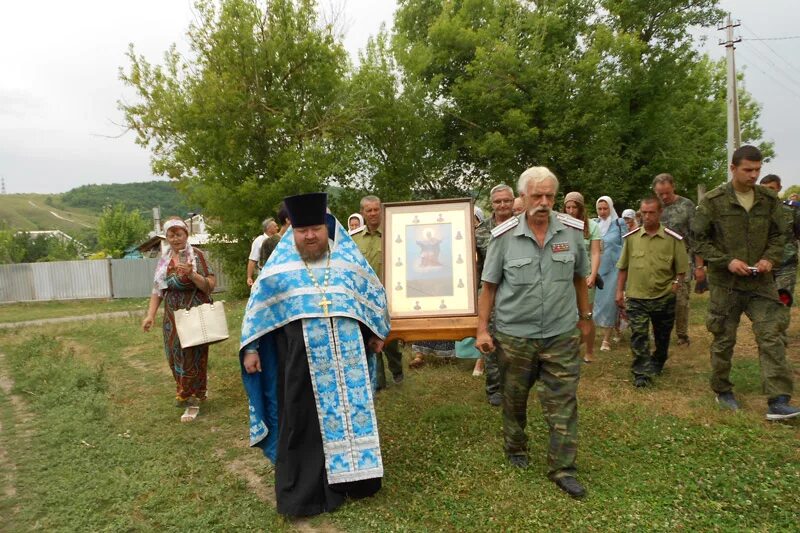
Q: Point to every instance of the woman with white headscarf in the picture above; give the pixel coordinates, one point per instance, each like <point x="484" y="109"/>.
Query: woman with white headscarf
<point x="183" y="279"/>
<point x="606" y="312"/>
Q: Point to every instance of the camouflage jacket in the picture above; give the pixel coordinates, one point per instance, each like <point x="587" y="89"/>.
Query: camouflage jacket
<point x="723" y="230"/>
<point x="792" y="234"/>
<point x="678" y="217"/>
<point x="483" y="234"/>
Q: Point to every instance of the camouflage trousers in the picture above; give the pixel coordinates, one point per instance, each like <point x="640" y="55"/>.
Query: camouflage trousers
<point x="641" y="313"/>
<point x="682" y="308"/>
<point x="394" y="356"/>
<point x="786" y="277"/>
<point x="491" y="367"/>
<point x="555" y="362"/>
<point x="769" y="318"/>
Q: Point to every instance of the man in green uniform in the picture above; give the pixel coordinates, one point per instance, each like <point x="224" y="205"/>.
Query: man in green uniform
<point x="786" y="275"/>
<point x="534" y="280"/>
<point x="651" y="268"/>
<point x="738" y="229"/>
<point x="502" y="198"/>
<point x="369" y="239"/>
<point x="677" y="215"/>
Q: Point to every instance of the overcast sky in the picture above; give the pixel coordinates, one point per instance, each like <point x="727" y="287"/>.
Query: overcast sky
<point x="59" y="81"/>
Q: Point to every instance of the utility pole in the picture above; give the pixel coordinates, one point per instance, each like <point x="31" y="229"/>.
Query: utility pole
<point x="734" y="135"/>
<point x="2" y="185"/>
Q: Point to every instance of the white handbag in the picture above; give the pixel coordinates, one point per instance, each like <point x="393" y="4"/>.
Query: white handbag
<point x="202" y="324"/>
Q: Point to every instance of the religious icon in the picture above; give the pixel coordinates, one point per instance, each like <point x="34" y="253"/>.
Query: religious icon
<point x="459" y="261"/>
<point x="398" y="240"/>
<point x="429" y="251"/>
<point x="459" y="236"/>
<point x="399" y="286"/>
<point x="399" y="262"/>
<point x="460" y="283"/>
<point x="417" y="307"/>
<point x="416" y="220"/>
<point x="440" y="218"/>
<point x="442" y="305"/>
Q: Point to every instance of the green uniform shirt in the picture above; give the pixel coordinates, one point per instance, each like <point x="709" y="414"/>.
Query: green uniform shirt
<point x="792" y="233"/>
<point x="653" y="263"/>
<point x="371" y="245"/>
<point x="535" y="297"/>
<point x="723" y="231"/>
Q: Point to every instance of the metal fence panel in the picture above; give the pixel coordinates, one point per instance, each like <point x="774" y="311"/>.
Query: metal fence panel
<point x="132" y="278"/>
<point x="69" y="280"/>
<point x="16" y="283"/>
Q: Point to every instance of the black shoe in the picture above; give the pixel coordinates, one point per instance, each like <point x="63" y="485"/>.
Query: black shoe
<point x="398" y="378"/>
<point x="518" y="461"/>
<point x="641" y="382"/>
<point x="727" y="400"/>
<point x="779" y="409"/>
<point x="571" y="486"/>
<point x="496" y="399"/>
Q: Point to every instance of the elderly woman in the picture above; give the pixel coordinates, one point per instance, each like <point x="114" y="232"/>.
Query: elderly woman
<point x="354" y="222"/>
<point x="182" y="279"/>
<point x="575" y="207"/>
<point x="629" y="216"/>
<point x="606" y="312"/>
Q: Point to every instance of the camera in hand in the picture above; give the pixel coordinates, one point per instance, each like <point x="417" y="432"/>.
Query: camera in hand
<point x="753" y="271"/>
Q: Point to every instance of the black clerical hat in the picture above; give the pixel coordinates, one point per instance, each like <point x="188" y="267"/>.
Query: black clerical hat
<point x="307" y="209"/>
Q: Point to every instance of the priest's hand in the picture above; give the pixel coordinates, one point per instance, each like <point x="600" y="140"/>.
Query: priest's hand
<point x="252" y="362"/>
<point x="375" y="344"/>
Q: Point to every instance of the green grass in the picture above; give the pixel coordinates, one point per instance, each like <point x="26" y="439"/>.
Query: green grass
<point x="21" y="312"/>
<point x="103" y="449"/>
<point x="28" y="212"/>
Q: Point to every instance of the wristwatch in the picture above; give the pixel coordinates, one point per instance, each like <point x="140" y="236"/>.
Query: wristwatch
<point x="586" y="316"/>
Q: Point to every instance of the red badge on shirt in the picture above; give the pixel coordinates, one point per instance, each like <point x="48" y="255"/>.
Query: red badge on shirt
<point x="560" y="247"/>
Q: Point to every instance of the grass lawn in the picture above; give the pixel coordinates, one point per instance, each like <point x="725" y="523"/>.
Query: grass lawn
<point x="21" y="312"/>
<point x="90" y="440"/>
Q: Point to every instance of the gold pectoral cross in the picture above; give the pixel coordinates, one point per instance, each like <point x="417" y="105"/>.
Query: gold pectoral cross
<point x="324" y="303"/>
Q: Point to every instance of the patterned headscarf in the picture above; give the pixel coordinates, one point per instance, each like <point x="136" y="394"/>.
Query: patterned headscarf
<point x="160" y="278"/>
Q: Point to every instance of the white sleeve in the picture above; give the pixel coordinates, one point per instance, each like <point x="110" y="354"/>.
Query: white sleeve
<point x="255" y="249"/>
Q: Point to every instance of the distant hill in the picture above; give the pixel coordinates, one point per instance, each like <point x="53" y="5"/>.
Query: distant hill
<point x="77" y="211"/>
<point x="142" y="196"/>
<point x="29" y="212"/>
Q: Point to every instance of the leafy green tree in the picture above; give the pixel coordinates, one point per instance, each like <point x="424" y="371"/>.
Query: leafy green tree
<point x="12" y="250"/>
<point x="607" y="93"/>
<point x="119" y="228"/>
<point x="250" y="115"/>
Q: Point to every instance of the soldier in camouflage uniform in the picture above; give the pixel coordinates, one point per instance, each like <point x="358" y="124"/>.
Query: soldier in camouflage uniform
<point x="786" y="275"/>
<point x="502" y="198"/>
<point x="739" y="230"/>
<point x="533" y="279"/>
<point x="677" y="215"/>
<point x="651" y="267"/>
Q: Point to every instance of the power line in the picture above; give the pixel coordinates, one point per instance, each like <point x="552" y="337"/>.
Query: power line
<point x="794" y="68"/>
<point x="770" y="76"/>
<point x="778" y="69"/>
<point x="774" y="38"/>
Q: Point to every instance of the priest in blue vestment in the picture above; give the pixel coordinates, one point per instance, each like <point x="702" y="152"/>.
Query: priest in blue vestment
<point x="314" y="313"/>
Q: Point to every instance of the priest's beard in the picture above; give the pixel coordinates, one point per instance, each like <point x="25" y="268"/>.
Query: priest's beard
<point x="310" y="255"/>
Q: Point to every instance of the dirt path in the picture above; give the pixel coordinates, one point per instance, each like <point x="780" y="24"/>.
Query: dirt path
<point x="62" y="319"/>
<point x="21" y="418"/>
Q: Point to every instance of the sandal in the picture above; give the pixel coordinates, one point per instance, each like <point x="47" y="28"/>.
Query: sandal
<point x="190" y="413"/>
<point x="417" y="362"/>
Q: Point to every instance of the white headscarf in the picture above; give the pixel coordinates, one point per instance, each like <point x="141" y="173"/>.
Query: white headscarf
<point x="360" y="223"/>
<point x="605" y="224"/>
<point x="160" y="278"/>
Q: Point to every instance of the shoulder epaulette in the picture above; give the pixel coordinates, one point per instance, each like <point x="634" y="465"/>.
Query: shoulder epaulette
<point x="713" y="193"/>
<point x="673" y="233"/>
<point x="570" y="221"/>
<point x="511" y="223"/>
<point x="631" y="232"/>
<point x="357" y="230"/>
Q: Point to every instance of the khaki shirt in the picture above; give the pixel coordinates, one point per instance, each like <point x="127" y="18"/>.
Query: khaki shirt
<point x="535" y="294"/>
<point x="653" y="263"/>
<point x="371" y="245"/>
